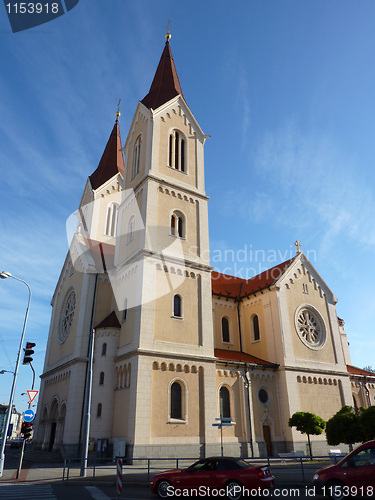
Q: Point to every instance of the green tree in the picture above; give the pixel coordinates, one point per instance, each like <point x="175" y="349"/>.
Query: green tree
<point x="367" y="423"/>
<point x="344" y="427"/>
<point x="369" y="369"/>
<point x="307" y="423"/>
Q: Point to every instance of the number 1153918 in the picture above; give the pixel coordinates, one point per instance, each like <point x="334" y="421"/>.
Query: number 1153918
<point x="31" y="8"/>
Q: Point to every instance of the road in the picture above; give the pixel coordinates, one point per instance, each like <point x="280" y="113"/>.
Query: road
<point x="56" y="490"/>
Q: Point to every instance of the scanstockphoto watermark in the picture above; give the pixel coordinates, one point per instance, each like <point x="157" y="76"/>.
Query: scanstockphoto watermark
<point x="237" y="491"/>
<point x="25" y="15"/>
<point x="108" y="236"/>
<point x="249" y="255"/>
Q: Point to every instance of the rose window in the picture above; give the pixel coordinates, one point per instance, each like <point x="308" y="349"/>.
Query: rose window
<point x="310" y="326"/>
<point x="67" y="315"/>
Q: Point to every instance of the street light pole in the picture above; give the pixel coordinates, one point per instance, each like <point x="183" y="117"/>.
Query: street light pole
<point x="5" y="275"/>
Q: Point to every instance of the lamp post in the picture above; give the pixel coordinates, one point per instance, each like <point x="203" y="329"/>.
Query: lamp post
<point x="5" y="275"/>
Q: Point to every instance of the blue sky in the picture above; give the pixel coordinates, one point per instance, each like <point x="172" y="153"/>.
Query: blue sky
<point x="286" y="91"/>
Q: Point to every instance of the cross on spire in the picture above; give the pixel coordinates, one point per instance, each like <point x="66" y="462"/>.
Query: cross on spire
<point x="168" y="35"/>
<point x="298" y="245"/>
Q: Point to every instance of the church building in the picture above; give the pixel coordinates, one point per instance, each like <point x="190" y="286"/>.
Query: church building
<point x="178" y="346"/>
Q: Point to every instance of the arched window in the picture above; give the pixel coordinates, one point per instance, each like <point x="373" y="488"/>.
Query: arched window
<point x="176" y="401"/>
<point x="99" y="410"/>
<point x="225" y="329"/>
<point x="101" y="378"/>
<point x="256" y="332"/>
<point x="178" y="224"/>
<point x="110" y="227"/>
<point x="104" y="349"/>
<point x="224" y="402"/>
<point x="136" y="165"/>
<point x="177" y="148"/>
<point x="177" y="309"/>
<point x="131" y="229"/>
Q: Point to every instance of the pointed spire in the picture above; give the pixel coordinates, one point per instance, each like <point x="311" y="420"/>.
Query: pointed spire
<point x="166" y="84"/>
<point x="112" y="160"/>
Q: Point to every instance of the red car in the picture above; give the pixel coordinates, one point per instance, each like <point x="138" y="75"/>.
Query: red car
<point x="216" y="477"/>
<point x="353" y="476"/>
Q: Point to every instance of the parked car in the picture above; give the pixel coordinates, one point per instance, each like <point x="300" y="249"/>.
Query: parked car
<point x="353" y="476"/>
<point x="215" y="476"/>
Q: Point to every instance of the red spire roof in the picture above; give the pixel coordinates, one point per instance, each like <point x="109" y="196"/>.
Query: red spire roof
<point x="112" y="160"/>
<point x="165" y="84"/>
<point x="231" y="286"/>
<point x="110" y="321"/>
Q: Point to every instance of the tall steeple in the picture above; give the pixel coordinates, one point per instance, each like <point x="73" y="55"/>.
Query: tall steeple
<point x="112" y="160"/>
<point x="165" y="84"/>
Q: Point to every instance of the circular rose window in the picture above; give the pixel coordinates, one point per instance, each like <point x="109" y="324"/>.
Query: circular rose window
<point x="310" y="326"/>
<point x="66" y="315"/>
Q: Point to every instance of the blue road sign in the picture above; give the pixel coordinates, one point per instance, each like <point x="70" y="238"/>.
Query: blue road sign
<point x="29" y="415"/>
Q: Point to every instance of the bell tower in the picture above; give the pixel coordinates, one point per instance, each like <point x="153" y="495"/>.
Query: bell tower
<point x="162" y="274"/>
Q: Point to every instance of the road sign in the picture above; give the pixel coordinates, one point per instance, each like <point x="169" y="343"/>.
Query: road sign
<point x="29" y="415"/>
<point x="32" y="395"/>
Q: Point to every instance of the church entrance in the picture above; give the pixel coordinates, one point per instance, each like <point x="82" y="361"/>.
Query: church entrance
<point x="267" y="438"/>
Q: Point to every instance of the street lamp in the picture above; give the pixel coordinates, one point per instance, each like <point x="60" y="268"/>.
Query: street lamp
<point x="5" y="275"/>
<point x="5" y="371"/>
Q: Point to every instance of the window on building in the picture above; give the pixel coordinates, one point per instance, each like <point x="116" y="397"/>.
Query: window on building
<point x="136" y="165"/>
<point x="104" y="349"/>
<point x="224" y="402"/>
<point x="125" y="310"/>
<point x="101" y="378"/>
<point x="110" y="227"/>
<point x="176" y="156"/>
<point x="176" y="401"/>
<point x="99" y="410"/>
<point x="225" y="329"/>
<point x="256" y="332"/>
<point x="178" y="224"/>
<point x="177" y="309"/>
<point x="131" y="230"/>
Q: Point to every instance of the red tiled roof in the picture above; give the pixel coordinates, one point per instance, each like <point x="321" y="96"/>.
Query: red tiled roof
<point x="165" y="84"/>
<point x="231" y="286"/>
<point x="110" y="321"/>
<point x="359" y="371"/>
<point x="111" y="161"/>
<point x="224" y="355"/>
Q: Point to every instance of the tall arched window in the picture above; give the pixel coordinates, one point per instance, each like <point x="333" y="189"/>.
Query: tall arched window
<point x="136" y="165"/>
<point x="176" y="401"/>
<point x="131" y="229"/>
<point x="225" y="329"/>
<point x="256" y="332"/>
<point x="110" y="227"/>
<point x="104" y="349"/>
<point x="99" y="410"/>
<point x="178" y="224"/>
<point x="177" y="309"/>
<point x="224" y="397"/>
<point x="177" y="151"/>
<point x="101" y="378"/>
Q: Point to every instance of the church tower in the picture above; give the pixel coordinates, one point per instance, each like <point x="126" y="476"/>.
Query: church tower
<point x="138" y="272"/>
<point x="162" y="278"/>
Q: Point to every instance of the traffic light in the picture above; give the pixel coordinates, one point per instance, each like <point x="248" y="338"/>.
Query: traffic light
<point x="26" y="429"/>
<point x="28" y="352"/>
